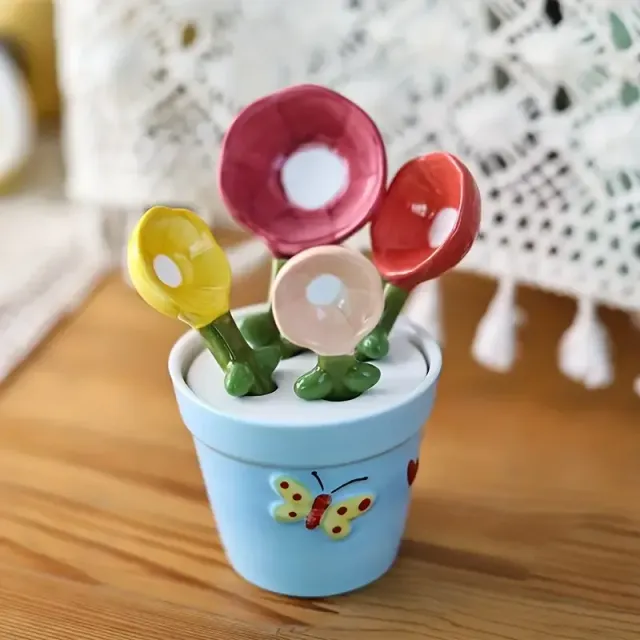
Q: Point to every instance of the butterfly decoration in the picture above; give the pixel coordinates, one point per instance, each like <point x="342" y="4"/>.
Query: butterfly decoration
<point x="334" y="518"/>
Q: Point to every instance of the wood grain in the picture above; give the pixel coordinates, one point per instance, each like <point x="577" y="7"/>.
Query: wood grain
<point x="525" y="522"/>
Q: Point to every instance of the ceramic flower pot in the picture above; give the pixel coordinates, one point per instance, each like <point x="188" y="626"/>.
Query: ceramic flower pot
<point x="310" y="499"/>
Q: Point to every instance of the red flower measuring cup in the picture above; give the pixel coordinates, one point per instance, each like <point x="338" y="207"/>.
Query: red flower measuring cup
<point x="426" y="224"/>
<point x="301" y="168"/>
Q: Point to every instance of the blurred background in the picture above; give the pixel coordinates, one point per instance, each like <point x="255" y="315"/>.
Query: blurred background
<point x="525" y="517"/>
<point x="110" y="106"/>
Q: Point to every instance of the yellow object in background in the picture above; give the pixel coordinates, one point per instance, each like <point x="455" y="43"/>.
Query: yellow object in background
<point x="28" y="88"/>
<point x="18" y="127"/>
<point x="28" y="27"/>
<point x="178" y="268"/>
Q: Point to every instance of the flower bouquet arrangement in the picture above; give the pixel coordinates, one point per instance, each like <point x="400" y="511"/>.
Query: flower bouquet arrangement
<point x="304" y="169"/>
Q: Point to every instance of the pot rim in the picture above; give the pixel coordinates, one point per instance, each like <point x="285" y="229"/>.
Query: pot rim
<point x="189" y="346"/>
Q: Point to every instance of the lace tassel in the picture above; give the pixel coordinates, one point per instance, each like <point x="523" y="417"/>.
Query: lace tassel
<point x="424" y="308"/>
<point x="583" y="353"/>
<point x="494" y="345"/>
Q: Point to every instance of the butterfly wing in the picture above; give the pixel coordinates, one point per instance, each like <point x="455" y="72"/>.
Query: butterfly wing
<point x="337" y="521"/>
<point x="297" y="500"/>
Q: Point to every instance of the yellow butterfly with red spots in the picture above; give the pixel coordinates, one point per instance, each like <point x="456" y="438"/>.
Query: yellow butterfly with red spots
<point x="334" y="518"/>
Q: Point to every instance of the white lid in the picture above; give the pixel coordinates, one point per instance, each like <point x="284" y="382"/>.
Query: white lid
<point x="280" y="429"/>
<point x="402" y="371"/>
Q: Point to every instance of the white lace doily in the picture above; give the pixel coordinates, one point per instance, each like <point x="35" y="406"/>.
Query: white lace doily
<point x="539" y="97"/>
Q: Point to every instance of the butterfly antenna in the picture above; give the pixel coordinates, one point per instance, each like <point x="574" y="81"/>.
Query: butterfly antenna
<point x="317" y="477"/>
<point x="346" y="484"/>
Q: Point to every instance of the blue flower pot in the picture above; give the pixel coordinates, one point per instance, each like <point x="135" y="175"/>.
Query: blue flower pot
<point x="310" y="499"/>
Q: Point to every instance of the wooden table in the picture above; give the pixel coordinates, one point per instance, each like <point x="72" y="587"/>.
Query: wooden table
<point x="525" y="521"/>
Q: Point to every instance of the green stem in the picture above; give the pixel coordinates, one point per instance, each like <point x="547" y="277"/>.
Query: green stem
<point x="260" y="329"/>
<point x="276" y="265"/>
<point x="241" y="352"/>
<point x="394" y="300"/>
<point x="376" y="344"/>
<point x="270" y="328"/>
<point x="216" y="345"/>
<point x="337" y="368"/>
<point x="337" y="378"/>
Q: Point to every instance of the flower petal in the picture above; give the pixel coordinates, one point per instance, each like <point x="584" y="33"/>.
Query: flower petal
<point x="183" y="238"/>
<point x="262" y="138"/>
<point x="333" y="326"/>
<point x="403" y="237"/>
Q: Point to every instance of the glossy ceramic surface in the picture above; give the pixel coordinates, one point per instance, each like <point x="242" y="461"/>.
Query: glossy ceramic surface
<point x="427" y="222"/>
<point x="327" y="299"/>
<point x="288" y="557"/>
<point x="177" y="266"/>
<point x="309" y="510"/>
<point x="269" y="132"/>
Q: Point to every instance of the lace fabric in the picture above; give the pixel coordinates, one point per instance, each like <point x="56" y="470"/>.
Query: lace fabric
<point x="541" y="98"/>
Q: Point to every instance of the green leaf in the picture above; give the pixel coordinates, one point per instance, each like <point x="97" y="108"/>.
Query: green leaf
<point x="361" y="377"/>
<point x="268" y="358"/>
<point x="315" y="385"/>
<point x="288" y="349"/>
<point x="260" y="329"/>
<point x="375" y="346"/>
<point x="238" y="379"/>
